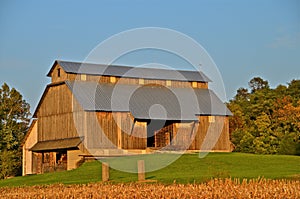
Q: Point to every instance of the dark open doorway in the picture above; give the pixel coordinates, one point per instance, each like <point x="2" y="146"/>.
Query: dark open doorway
<point x="152" y="127"/>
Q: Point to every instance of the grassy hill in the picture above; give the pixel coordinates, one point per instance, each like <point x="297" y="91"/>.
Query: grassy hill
<point x="189" y="168"/>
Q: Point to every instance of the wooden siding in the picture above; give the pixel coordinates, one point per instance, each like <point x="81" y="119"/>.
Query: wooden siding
<point x="36" y="163"/>
<point x="166" y="83"/>
<point x="107" y="130"/>
<point x="202" y="85"/>
<point x="191" y="135"/>
<point x="31" y="140"/>
<point x="213" y="129"/>
<point x="184" y="134"/>
<point x="73" y="158"/>
<point x="135" y="138"/>
<point x="102" y="130"/>
<point x="62" y="76"/>
<point x="55" y="115"/>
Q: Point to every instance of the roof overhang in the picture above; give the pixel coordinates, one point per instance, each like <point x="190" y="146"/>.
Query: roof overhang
<point x="55" y="145"/>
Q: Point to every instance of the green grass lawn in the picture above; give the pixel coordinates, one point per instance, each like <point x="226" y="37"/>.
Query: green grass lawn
<point x="189" y="168"/>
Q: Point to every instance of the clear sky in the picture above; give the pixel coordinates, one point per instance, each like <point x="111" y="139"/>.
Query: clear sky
<point x="244" y="38"/>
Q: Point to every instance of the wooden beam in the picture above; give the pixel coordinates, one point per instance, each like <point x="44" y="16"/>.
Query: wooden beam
<point x="119" y="131"/>
<point x="132" y="127"/>
<point x="192" y="131"/>
<point x="105" y="171"/>
<point x="141" y="170"/>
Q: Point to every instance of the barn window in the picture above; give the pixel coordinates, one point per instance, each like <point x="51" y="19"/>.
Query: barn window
<point x="211" y="119"/>
<point x="168" y="82"/>
<point x="141" y="81"/>
<point x="112" y="79"/>
<point x="83" y="77"/>
<point x="58" y="72"/>
<point x="194" y="84"/>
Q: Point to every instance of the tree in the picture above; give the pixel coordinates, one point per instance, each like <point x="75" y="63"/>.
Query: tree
<point x="266" y="121"/>
<point x="14" y="117"/>
<point x="258" y="83"/>
<point x="242" y="93"/>
<point x="287" y="117"/>
<point x="265" y="142"/>
<point x="293" y="90"/>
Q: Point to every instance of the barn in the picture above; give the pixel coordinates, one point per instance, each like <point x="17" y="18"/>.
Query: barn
<point x="99" y="110"/>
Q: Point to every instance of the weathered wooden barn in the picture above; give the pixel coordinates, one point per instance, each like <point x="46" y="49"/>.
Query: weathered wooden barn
<point x="93" y="109"/>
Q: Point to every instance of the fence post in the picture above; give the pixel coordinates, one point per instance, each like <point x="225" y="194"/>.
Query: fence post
<point x="105" y="171"/>
<point x="141" y="170"/>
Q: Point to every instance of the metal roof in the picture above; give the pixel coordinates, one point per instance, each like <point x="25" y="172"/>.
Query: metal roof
<point x="67" y="143"/>
<point x="148" y="102"/>
<point x="131" y="72"/>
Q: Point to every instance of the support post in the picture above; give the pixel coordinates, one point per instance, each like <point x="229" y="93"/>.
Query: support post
<point x="193" y="127"/>
<point x="105" y="171"/>
<point x="141" y="170"/>
<point x="119" y="130"/>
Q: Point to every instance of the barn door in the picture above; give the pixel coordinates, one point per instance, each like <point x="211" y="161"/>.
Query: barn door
<point x="36" y="163"/>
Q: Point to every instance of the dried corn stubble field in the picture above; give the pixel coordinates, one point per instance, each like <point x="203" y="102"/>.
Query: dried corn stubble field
<point x="217" y="188"/>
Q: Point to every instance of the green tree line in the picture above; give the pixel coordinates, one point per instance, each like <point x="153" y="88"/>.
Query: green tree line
<point x="265" y="120"/>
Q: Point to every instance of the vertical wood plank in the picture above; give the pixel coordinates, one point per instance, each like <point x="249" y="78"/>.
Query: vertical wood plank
<point x="119" y="131"/>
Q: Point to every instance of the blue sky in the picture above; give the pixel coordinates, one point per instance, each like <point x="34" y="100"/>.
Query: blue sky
<point x="244" y="38"/>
